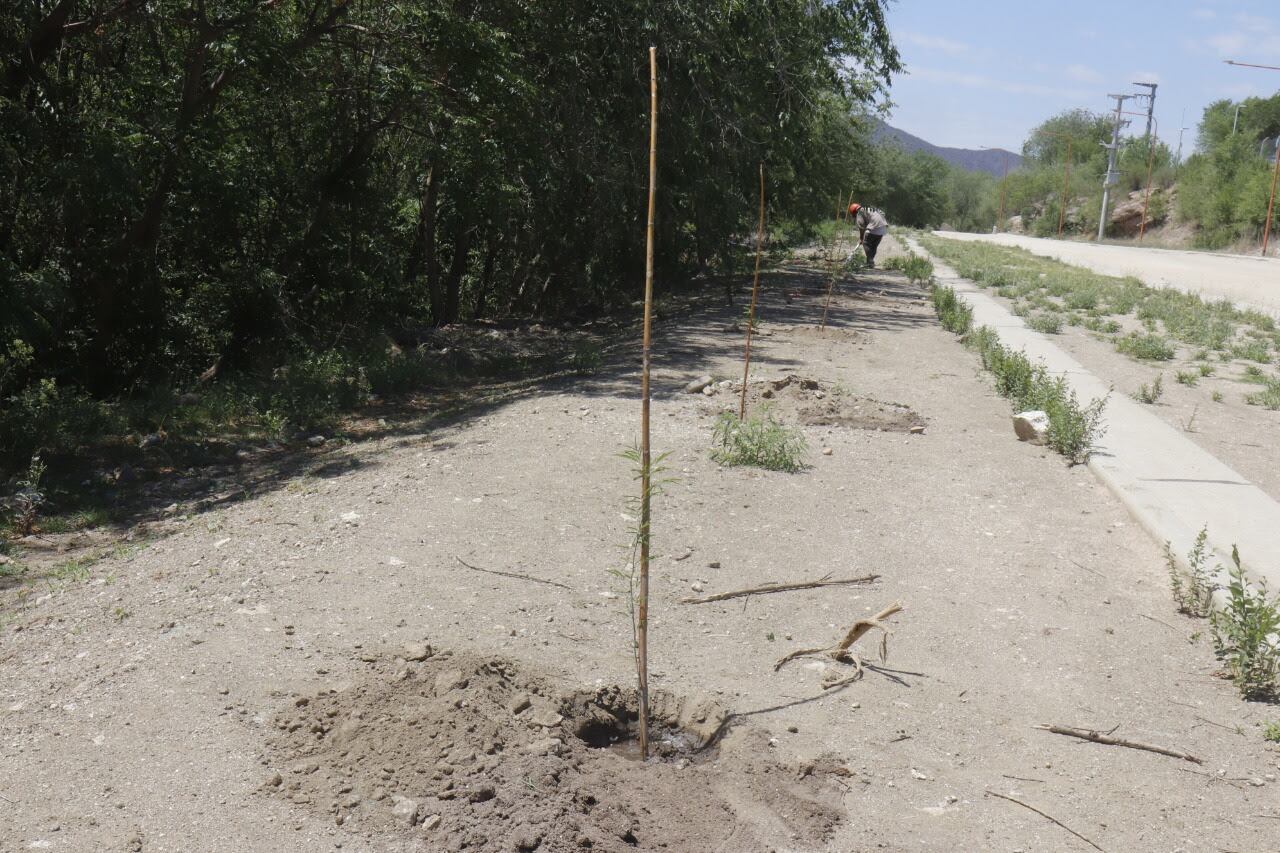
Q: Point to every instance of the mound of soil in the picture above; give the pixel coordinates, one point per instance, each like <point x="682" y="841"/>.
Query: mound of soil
<point x="453" y="752"/>
<point x="813" y="403"/>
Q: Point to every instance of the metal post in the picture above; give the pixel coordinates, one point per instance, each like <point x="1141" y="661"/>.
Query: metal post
<point x="1112" y="150"/>
<point x="1235" y="122"/>
<point x="1271" y="203"/>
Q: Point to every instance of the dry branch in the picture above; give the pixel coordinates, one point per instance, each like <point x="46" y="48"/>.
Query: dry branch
<point x="840" y="652"/>
<point x="1048" y="817"/>
<point x="515" y="575"/>
<point x="779" y="587"/>
<point x="1108" y="740"/>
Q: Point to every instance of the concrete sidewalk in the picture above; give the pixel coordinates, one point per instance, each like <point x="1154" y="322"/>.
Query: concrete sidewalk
<point x="1247" y="282"/>
<point x="1172" y="486"/>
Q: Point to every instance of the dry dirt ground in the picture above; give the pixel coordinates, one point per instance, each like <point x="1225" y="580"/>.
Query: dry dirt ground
<point x="313" y="668"/>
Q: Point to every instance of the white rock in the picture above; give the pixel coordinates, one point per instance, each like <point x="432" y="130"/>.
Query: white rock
<point x="1031" y="426"/>
<point x="405" y="810"/>
<point x="696" y="386"/>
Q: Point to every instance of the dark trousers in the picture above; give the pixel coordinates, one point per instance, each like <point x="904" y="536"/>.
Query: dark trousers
<point x="870" y="245"/>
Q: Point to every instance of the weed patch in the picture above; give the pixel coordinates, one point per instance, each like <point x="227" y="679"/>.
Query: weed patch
<point x="1194" y="591"/>
<point x="760" y="441"/>
<point x="956" y="316"/>
<point x="1146" y="347"/>
<point x="1268" y="397"/>
<point x="1049" y="324"/>
<point x="1149" y="394"/>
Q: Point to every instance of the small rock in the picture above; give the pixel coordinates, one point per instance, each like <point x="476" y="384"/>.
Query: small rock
<point x="416" y="651"/>
<point x="709" y="391"/>
<point x="351" y="518"/>
<point x="547" y="719"/>
<point x="1032" y="426"/>
<point x="827" y="451"/>
<point x="917" y="430"/>
<point x="405" y="810"/>
<point x="450" y="679"/>
<point x="916" y="774"/>
<point x="696" y="386"/>
<point x="430" y="822"/>
<point x="793" y="729"/>
<point x="1256" y="782"/>
<point x="546" y="746"/>
<point x="316" y="441"/>
<point x="682" y="555"/>
<point x="275" y="780"/>
<point x="394" y="561"/>
<point x="715" y="564"/>
<point x="696" y="587"/>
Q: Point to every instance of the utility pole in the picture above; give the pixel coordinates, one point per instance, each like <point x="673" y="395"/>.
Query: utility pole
<point x="1182" y="128"/>
<point x="1113" y="151"/>
<point x="1151" y="105"/>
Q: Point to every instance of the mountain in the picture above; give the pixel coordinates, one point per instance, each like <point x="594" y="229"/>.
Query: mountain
<point x="993" y="161"/>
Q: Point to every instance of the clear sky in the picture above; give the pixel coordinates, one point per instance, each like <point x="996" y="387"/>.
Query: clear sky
<point x="985" y="73"/>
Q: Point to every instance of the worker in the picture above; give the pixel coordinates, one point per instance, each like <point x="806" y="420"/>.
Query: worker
<point x="872" y="226"/>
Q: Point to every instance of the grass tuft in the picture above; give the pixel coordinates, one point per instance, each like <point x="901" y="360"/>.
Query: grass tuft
<point x="760" y="441"/>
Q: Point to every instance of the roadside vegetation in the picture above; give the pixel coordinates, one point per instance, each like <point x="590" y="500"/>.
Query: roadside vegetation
<point x="1144" y="323"/>
<point x="1245" y="618"/>
<point x="1074" y="429"/>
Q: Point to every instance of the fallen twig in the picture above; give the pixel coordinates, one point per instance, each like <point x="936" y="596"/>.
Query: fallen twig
<point x="515" y="575"/>
<point x="840" y="652"/>
<point x="1086" y="568"/>
<point x="1048" y="817"/>
<point x="1021" y="778"/>
<point x="778" y="587"/>
<point x="1107" y="739"/>
<point x="1161" y="621"/>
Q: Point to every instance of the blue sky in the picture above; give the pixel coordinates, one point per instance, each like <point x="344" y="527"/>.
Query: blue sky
<point x="983" y="74"/>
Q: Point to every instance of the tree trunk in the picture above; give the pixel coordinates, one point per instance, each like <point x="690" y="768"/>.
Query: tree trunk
<point x="457" y="269"/>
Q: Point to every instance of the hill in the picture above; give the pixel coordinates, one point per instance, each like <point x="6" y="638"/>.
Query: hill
<point x="993" y="161"/>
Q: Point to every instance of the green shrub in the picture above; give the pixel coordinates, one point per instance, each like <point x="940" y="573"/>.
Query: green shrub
<point x="1268" y="398"/>
<point x="1245" y="634"/>
<point x="1187" y="377"/>
<point x="1073" y="430"/>
<point x="1271" y="732"/>
<point x="1146" y="347"/>
<point x="1149" y="394"/>
<point x="1192" y="593"/>
<point x="1253" y="350"/>
<point x="760" y="441"/>
<point x="1049" y="324"/>
<point x="954" y="314"/>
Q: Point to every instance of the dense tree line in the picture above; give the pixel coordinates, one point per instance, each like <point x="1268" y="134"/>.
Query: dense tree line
<point x="213" y="184"/>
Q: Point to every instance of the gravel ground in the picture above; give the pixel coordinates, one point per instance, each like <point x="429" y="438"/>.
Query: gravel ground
<point x="141" y="707"/>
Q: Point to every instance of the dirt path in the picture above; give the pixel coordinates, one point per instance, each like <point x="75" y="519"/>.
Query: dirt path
<point x="1249" y="282"/>
<point x="218" y="690"/>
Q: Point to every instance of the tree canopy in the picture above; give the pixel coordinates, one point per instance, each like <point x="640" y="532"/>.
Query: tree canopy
<point x="214" y="183"/>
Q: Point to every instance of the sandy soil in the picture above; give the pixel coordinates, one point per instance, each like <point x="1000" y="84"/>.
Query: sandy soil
<point x="219" y="689"/>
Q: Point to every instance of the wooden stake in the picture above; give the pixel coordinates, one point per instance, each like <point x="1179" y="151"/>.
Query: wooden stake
<point x="841" y="218"/>
<point x="751" y="313"/>
<point x="779" y="587"/>
<point x="642" y="603"/>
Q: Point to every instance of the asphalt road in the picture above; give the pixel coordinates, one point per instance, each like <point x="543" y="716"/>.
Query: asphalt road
<point x="1249" y="282"/>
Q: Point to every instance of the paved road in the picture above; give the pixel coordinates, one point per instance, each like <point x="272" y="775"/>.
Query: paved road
<point x="1248" y="282"/>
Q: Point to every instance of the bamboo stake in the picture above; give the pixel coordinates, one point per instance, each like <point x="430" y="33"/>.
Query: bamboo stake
<point x="841" y="218"/>
<point x="751" y="313"/>
<point x="642" y="604"/>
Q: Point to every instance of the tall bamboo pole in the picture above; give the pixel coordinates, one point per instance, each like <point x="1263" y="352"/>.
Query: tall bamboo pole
<point x="841" y="218"/>
<point x="642" y="603"/>
<point x="751" y="313"/>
